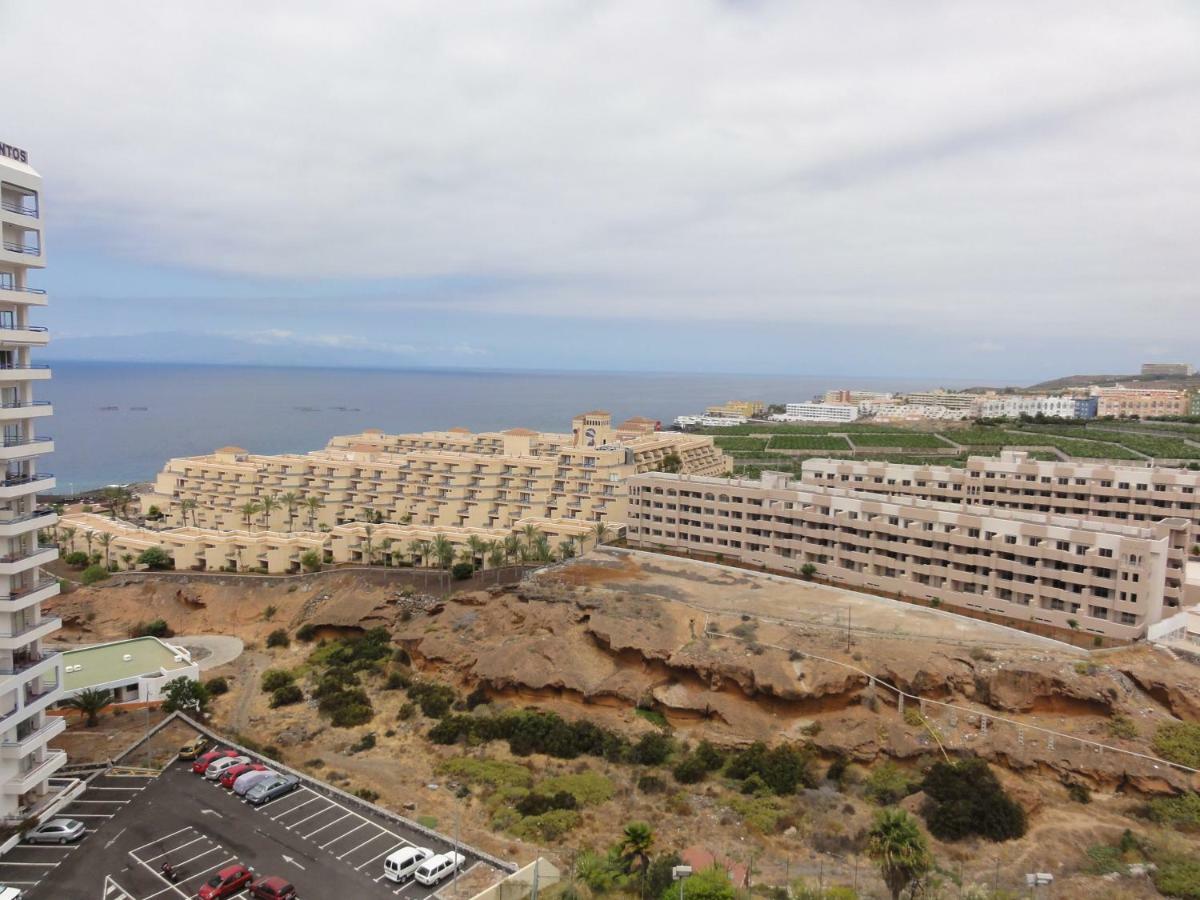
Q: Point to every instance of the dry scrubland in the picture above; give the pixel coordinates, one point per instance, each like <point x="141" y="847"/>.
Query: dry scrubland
<point x="597" y="639"/>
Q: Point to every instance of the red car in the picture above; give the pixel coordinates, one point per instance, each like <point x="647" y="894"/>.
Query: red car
<point x="230" y="775"/>
<point x="273" y="888"/>
<point x="226" y="883"/>
<point x="202" y="762"/>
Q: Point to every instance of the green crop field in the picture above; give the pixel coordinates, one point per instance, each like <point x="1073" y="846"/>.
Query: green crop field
<point x="740" y="443"/>
<point x="1162" y="447"/>
<point x="808" y="442"/>
<point x="967" y="437"/>
<point x="926" y="441"/>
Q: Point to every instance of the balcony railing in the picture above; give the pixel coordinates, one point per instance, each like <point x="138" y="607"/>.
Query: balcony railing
<point x="24" y="479"/>
<point x="4" y="286"/>
<point x="24" y="554"/>
<point x="54" y="759"/>
<point x="32" y="626"/>
<point x="48" y="729"/>
<point x="20" y="209"/>
<point x="23" y="442"/>
<point x="25" y="592"/>
<point x="25" y="403"/>
<point x="32" y="696"/>
<point x="22" y="248"/>
<point x="11" y="327"/>
<point x="25" y="662"/>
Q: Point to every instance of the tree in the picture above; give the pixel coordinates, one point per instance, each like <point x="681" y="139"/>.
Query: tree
<point x="495" y="554"/>
<point x="184" y="695"/>
<point x="68" y="537"/>
<point x="90" y="703"/>
<point x="964" y="798"/>
<point x="313" y="503"/>
<point x="93" y="573"/>
<point x="368" y="534"/>
<point x="600" y="533"/>
<point x="290" y="499"/>
<point x="566" y="549"/>
<point x="155" y="558"/>
<point x="897" y="845"/>
<point x="477" y="547"/>
<point x="269" y="505"/>
<point x="249" y="510"/>
<point x="416" y="550"/>
<point x="711" y="884"/>
<point x="634" y="848"/>
<point x="670" y="463"/>
<point x="512" y="547"/>
<point x="186" y="506"/>
<point x="808" y="570"/>
<point x="310" y="560"/>
<point x="531" y="534"/>
<point x="106" y="540"/>
<point x="116" y="499"/>
<point x="443" y="550"/>
<point x="88" y="538"/>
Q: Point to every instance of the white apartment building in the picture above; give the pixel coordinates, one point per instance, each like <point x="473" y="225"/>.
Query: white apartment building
<point x="948" y="399"/>
<point x="710" y="421"/>
<point x="30" y="678"/>
<point x="818" y="412"/>
<point x="905" y="412"/>
<point x="1017" y="405"/>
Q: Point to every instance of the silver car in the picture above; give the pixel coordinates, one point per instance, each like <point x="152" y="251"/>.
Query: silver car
<point x="56" y="831"/>
<point x="272" y="788"/>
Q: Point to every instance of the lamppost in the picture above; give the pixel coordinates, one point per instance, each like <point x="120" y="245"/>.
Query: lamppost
<point x="1034" y="880"/>
<point x="679" y="873"/>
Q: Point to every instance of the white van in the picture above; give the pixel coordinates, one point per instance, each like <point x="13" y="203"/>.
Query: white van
<point x="404" y="862"/>
<point x="434" y="870"/>
<point x="218" y="766"/>
<point x="247" y="780"/>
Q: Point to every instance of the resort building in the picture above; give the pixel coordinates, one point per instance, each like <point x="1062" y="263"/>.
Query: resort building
<point x="1106" y="493"/>
<point x="857" y="398"/>
<point x="135" y="670"/>
<point x="452" y="479"/>
<point x="746" y="409"/>
<point x="1144" y="403"/>
<point x="1014" y="406"/>
<point x="948" y="399"/>
<point x="1170" y="370"/>
<point x="905" y="412"/>
<point x="1059" y="572"/>
<point x="709" y="421"/>
<point x="818" y="412"/>
<point x="283" y="553"/>
<point x="30" y="677"/>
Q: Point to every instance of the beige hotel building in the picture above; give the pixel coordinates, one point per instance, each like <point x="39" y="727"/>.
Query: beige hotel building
<point x="451" y="479"/>
<point x="1104" y="579"/>
<point x="30" y="676"/>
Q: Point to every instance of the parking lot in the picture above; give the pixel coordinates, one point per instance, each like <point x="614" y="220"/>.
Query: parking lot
<point x="324" y="845"/>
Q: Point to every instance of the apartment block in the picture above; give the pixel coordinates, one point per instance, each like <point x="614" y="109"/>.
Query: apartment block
<point x="452" y="479"/>
<point x="1014" y="406"/>
<point x="1176" y="370"/>
<point x="856" y="398"/>
<point x="30" y="677"/>
<point x="818" y="412"/>
<point x="1142" y="403"/>
<point x="948" y="399"/>
<point x="280" y="553"/>
<point x="1062" y="572"/>
<point x="746" y="408"/>
<point x="1105" y="493"/>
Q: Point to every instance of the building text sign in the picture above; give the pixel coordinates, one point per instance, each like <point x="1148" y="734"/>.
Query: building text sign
<point x="14" y="153"/>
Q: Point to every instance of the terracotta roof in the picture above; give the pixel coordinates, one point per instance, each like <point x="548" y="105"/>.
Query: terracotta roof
<point x="520" y="432"/>
<point x="700" y="859"/>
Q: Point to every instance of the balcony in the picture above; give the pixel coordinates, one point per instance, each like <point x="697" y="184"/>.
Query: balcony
<point x="27" y="634"/>
<point x="31" y="778"/>
<point x="22" y="746"/>
<point x="35" y="593"/>
<point x="13" y="524"/>
<point x="22" y="485"/>
<point x="25" y="448"/>
<point x="24" y="249"/>
<point x="27" y="661"/>
<point x="38" y="335"/>
<point x="24" y="295"/>
<point x="39" y="372"/>
<point x="24" y="560"/>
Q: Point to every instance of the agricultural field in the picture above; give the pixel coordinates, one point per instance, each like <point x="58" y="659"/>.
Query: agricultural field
<point x="809" y="442"/>
<point x="738" y="442"/>
<point x="793" y="428"/>
<point x="916" y="440"/>
<point x="984" y="437"/>
<point x="1161" y="447"/>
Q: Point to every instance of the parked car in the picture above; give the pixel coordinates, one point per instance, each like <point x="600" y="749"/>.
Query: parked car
<point x="251" y="778"/>
<point x="10" y="893"/>
<point x="230" y="775"/>
<point x="204" y="759"/>
<point x="56" y="831"/>
<point x="220" y="766"/>
<point x="434" y="870"/>
<point x="194" y="747"/>
<point x="273" y="888"/>
<point x="229" y="881"/>
<point x="401" y="864"/>
<point x="266" y="791"/>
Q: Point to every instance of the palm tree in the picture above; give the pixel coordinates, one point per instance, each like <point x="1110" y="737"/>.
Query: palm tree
<point x="269" y="505"/>
<point x="636" y="843"/>
<point x="184" y="507"/>
<point x="313" y="502"/>
<point x="90" y="702"/>
<point x="416" y="549"/>
<point x="106" y="540"/>
<point x="249" y="510"/>
<point x="476" y="547"/>
<point x="68" y="537"/>
<point x="88" y="537"/>
<point x="369" y="532"/>
<point x="541" y="549"/>
<point x="443" y="550"/>
<point x="426" y="552"/>
<point x="566" y="549"/>
<point x="531" y="535"/>
<point x="386" y="546"/>
<point x="600" y="532"/>
<point x="465" y="555"/>
<point x="406" y="519"/>
<point x="495" y="554"/>
<point x="290" y="499"/>
<point x="898" y="846"/>
<point x="127" y="558"/>
<point x="512" y="547"/>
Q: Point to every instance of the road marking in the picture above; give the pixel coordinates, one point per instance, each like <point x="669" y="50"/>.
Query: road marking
<point x="75" y="815"/>
<point x="364" y="843"/>
<point x="288" y="859"/>
<point x="211" y="812"/>
<point x="313" y="816"/>
<point x="176" y="849"/>
<point x="161" y="839"/>
<point x="364" y="824"/>
<point x="294" y="808"/>
<point x="113" y="800"/>
<point x="380" y="856"/>
<point x="114" y="839"/>
<point x="323" y="827"/>
<point x="200" y="874"/>
<point x="179" y="865"/>
<point x="101" y="787"/>
<point x="161" y="877"/>
<point x="13" y="862"/>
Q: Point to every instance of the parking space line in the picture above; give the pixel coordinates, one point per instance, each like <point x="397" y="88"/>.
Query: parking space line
<point x="364" y="824"/>
<point x="161" y="877"/>
<point x="306" y="818"/>
<point x="13" y="862"/>
<point x="177" y="866"/>
<point x="380" y="856"/>
<point x="199" y="875"/>
<point x="175" y="849"/>
<point x="382" y="833"/>
<point x="300" y="792"/>
<point x="314" y="799"/>
<point x="76" y="815"/>
<point x="323" y="827"/>
<point x="113" y="800"/>
<point x="161" y="839"/>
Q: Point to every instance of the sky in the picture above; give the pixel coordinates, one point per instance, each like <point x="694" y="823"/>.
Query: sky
<point x="1002" y="191"/>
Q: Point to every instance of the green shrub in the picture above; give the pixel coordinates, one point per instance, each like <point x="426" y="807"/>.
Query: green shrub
<point x="1179" y="742"/>
<point x="406" y="711"/>
<point x="346" y="708"/>
<point x="532" y="731"/>
<point x="217" y="686"/>
<point x="286" y="695"/>
<point x="588" y="788"/>
<point x="548" y="826"/>
<point x="1104" y="860"/>
<point x="396" y="681"/>
<point x="1178" y="876"/>
<point x="366" y="742"/>
<point x="1120" y="726"/>
<point x="652" y="749"/>
<point x="651" y="784"/>
<point x="93" y="573"/>
<point x="156" y="628"/>
<point x="711" y="758"/>
<point x="783" y="769"/>
<point x="76" y="559"/>
<point x="273" y="679"/>
<point x="690" y="770"/>
<point x="278" y="638"/>
<point x="306" y="632"/>
<point x="1182" y="812"/>
<point x="492" y="772"/>
<point x="888" y="784"/>
<point x="536" y="804"/>
<point x="156" y="558"/>
<point x="434" y="699"/>
<point x="760" y="812"/>
<point x="310" y="560"/>
<point x="964" y="799"/>
<point x="365" y="793"/>
<point x="462" y="571"/>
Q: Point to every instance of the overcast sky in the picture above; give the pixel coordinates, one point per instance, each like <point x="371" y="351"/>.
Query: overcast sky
<point x="993" y="190"/>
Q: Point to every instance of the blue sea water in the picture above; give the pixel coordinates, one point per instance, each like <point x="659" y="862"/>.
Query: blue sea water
<point x="191" y="409"/>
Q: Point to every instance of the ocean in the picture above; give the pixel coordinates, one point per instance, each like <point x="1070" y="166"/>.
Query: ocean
<point x="165" y="410"/>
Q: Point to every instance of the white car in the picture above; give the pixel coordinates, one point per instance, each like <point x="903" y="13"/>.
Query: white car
<point x="218" y="766"/>
<point x="434" y="870"/>
<point x="403" y="863"/>
<point x="10" y="893"/>
<point x="247" y="780"/>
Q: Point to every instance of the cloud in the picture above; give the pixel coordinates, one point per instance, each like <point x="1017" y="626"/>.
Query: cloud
<point x="960" y="167"/>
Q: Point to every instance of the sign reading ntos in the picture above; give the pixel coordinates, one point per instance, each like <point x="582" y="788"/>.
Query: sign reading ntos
<point x="14" y="153"/>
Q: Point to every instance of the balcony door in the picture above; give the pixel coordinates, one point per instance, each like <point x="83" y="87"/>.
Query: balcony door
<point x="8" y="319"/>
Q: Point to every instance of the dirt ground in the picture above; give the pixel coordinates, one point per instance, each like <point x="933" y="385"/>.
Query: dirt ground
<point x="598" y="637"/>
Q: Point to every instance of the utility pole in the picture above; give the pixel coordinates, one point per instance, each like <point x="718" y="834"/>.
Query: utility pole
<point x="849" y="616"/>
